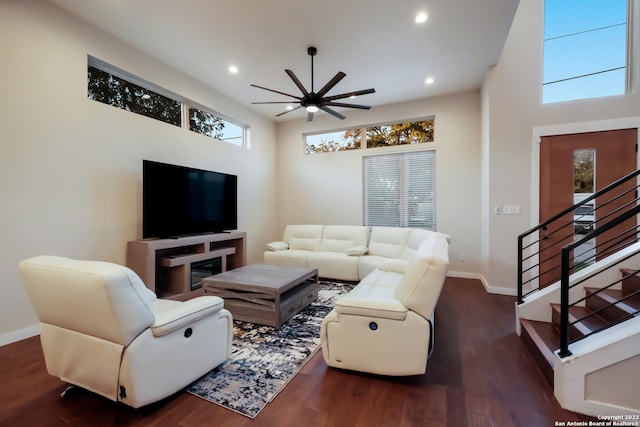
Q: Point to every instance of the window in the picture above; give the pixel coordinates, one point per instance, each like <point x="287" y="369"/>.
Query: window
<point x="333" y="141"/>
<point x="208" y="124"/>
<point x="400" y="189"/>
<point x="118" y="92"/>
<point x="115" y="87"/>
<point x="400" y="134"/>
<point x="585" y="49"/>
<point x="387" y="135"/>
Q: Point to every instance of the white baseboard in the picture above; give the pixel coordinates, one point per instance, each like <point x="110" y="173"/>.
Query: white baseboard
<point x="487" y="287"/>
<point x="20" y="335"/>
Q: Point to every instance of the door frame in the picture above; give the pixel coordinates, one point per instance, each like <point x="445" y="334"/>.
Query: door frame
<point x="562" y="129"/>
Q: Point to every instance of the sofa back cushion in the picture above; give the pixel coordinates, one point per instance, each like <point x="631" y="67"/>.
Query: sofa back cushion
<point x="303" y="237"/>
<point x="388" y="241"/>
<point x="341" y="238"/>
<point x="417" y="236"/>
<point x="424" y="276"/>
<point x="100" y="299"/>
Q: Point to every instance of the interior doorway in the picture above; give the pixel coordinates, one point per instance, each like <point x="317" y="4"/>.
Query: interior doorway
<point x="573" y="167"/>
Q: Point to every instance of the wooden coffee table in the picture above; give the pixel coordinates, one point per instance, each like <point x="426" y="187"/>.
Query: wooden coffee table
<point x="264" y="293"/>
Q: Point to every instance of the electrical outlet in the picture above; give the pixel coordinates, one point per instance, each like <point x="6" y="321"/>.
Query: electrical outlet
<point x="461" y="257"/>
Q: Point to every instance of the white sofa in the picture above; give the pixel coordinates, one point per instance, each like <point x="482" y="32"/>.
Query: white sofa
<point x="385" y="324"/>
<point x="345" y="252"/>
<point x="333" y="249"/>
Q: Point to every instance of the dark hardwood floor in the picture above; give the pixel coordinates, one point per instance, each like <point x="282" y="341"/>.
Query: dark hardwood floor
<point x="480" y="374"/>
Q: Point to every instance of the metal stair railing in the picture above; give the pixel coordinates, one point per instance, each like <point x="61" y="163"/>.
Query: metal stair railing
<point x="530" y="260"/>
<point x="628" y="236"/>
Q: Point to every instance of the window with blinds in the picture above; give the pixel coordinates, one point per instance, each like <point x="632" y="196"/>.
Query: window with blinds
<point x="400" y="189"/>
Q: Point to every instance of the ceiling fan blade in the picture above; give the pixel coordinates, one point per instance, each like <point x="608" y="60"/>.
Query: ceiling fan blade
<point x="309" y="117"/>
<point x="331" y="83"/>
<point x="333" y="112"/>
<point x="297" y="82"/>
<point x="349" y="94"/>
<point x="341" y="104"/>
<point x="288" y="111"/>
<point x="276" y="91"/>
<point x="274" y="102"/>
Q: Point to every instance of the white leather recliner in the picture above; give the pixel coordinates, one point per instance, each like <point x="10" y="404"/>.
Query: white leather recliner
<point x="104" y="331"/>
<point x="385" y="325"/>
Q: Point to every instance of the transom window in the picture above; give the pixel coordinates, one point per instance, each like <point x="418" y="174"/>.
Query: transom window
<point x="585" y="49"/>
<point x="400" y="189"/>
<point x="115" y="87"/>
<point x="386" y="135"/>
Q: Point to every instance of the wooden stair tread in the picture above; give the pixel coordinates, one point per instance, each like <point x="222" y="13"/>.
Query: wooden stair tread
<point x="582" y="327"/>
<point x="631" y="305"/>
<point x="542" y="339"/>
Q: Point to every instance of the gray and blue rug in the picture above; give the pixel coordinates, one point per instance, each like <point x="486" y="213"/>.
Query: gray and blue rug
<point x="264" y="359"/>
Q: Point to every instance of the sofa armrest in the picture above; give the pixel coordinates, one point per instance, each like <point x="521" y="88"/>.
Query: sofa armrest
<point x="171" y="317"/>
<point x="358" y="250"/>
<point x="277" y="246"/>
<point x="371" y="307"/>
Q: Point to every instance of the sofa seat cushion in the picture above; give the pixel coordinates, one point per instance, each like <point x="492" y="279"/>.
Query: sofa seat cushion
<point x="374" y="296"/>
<point x="289" y="258"/>
<point x="335" y="265"/>
<point x="368" y="263"/>
<point x="383" y="308"/>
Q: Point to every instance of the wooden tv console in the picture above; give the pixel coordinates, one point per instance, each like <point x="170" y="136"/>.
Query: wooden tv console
<point x="165" y="265"/>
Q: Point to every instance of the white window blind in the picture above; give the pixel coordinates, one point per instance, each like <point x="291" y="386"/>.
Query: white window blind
<point x="400" y="189"/>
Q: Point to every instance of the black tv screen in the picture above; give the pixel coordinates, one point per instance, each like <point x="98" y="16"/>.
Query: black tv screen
<point x="180" y="201"/>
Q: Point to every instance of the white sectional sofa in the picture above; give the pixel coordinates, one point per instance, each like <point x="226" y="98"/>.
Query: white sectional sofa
<point x="345" y="252"/>
<point x="332" y="249"/>
<point x="385" y="324"/>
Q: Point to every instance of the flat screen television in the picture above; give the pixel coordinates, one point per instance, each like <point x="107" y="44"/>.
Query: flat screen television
<point x="181" y="201"/>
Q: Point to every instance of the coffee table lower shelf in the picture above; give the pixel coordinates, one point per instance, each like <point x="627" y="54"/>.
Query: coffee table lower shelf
<point x="263" y="293"/>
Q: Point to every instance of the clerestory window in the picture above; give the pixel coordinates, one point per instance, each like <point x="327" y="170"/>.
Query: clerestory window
<point x="586" y="46"/>
<point x="115" y="87"/>
<point x="385" y="135"/>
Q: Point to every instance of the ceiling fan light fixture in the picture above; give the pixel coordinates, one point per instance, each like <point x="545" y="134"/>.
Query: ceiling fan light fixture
<point x="313" y="101"/>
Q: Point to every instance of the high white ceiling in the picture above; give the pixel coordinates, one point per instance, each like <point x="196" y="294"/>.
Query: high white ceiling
<point x="375" y="42"/>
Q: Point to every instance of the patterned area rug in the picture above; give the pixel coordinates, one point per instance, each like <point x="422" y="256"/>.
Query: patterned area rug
<point x="264" y="359"/>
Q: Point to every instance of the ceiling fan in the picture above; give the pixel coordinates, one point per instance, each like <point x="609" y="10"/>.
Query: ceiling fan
<point x="313" y="101"/>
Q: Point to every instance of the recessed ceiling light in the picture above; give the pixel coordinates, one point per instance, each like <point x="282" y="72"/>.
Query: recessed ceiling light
<point x="352" y="97"/>
<point x="421" y="17"/>
<point x="429" y="80"/>
<point x="289" y="107"/>
<point x="233" y="69"/>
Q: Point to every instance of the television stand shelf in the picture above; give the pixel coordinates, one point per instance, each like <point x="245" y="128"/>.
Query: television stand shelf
<point x="173" y="268"/>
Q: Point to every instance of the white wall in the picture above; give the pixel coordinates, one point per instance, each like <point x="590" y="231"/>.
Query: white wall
<point x="327" y="188"/>
<point x="512" y="97"/>
<point x="70" y="168"/>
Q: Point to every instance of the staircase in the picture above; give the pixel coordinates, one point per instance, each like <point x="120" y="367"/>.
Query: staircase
<point x="580" y="315"/>
<point x="603" y="308"/>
